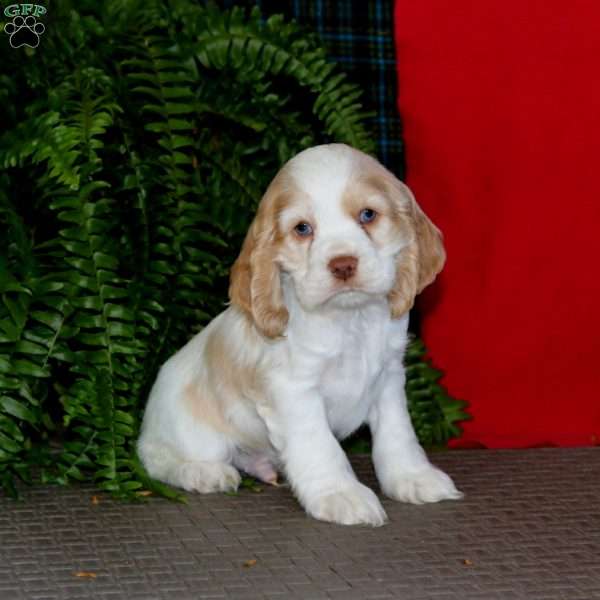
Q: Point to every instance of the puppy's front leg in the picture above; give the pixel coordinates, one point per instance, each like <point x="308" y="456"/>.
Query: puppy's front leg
<point x="315" y="464"/>
<point x="402" y="467"/>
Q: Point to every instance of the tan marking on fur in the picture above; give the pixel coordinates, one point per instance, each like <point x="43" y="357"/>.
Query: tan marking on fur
<point x="417" y="265"/>
<point x="206" y="408"/>
<point x="402" y="295"/>
<point x="225" y="381"/>
<point x="432" y="255"/>
<point x="367" y="190"/>
<point x="255" y="277"/>
<point x="229" y="374"/>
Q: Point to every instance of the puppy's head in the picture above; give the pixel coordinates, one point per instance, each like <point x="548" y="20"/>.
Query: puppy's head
<point x="343" y="230"/>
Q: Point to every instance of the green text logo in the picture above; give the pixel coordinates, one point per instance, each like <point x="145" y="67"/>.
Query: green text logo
<point x="16" y="10"/>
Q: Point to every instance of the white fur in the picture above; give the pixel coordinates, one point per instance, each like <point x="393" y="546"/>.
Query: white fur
<point x="337" y="366"/>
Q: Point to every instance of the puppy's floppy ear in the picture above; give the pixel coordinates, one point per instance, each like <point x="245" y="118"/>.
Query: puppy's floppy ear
<point x="255" y="284"/>
<point x="419" y="263"/>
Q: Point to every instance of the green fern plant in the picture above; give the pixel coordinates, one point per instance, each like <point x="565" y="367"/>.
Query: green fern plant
<point x="139" y="138"/>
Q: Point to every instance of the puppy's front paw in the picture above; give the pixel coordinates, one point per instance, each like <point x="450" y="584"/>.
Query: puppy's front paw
<point x="426" y="485"/>
<point x="354" y="504"/>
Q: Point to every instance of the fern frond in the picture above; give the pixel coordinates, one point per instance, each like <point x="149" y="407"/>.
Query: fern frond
<point x="256" y="50"/>
<point x="435" y="415"/>
<point x="33" y="311"/>
<point x="106" y="337"/>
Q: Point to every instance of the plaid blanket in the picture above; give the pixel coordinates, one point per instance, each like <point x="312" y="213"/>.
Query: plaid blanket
<point x="359" y="37"/>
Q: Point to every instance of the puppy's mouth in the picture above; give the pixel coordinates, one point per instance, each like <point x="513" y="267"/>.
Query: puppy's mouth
<point x="356" y="291"/>
<point x="348" y="296"/>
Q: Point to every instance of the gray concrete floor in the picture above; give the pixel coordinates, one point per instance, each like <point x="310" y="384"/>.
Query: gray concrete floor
<point x="528" y="528"/>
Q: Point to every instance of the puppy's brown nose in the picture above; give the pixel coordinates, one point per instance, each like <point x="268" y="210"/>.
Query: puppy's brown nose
<point x="343" y="267"/>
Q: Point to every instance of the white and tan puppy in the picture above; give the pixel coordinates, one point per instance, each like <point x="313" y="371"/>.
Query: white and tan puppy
<point x="310" y="348"/>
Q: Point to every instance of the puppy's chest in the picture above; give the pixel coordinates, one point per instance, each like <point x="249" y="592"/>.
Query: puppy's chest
<point x="348" y="377"/>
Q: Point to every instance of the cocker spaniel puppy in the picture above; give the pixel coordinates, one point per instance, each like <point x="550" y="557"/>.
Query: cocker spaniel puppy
<point x="310" y="348"/>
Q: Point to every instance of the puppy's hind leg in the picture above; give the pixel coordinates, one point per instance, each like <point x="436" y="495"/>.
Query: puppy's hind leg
<point x="184" y="452"/>
<point x="193" y="475"/>
<point x="185" y="440"/>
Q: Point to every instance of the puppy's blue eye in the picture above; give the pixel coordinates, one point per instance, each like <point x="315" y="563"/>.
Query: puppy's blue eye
<point x="303" y="229"/>
<point x="367" y="215"/>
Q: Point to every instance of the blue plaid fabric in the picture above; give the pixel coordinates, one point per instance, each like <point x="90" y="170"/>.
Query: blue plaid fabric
<point x="359" y="37"/>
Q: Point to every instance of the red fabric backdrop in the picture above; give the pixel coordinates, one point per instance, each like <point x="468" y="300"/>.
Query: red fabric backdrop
<point x="500" y="103"/>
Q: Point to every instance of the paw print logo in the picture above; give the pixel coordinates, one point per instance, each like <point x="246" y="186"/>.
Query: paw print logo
<point x="24" y="31"/>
